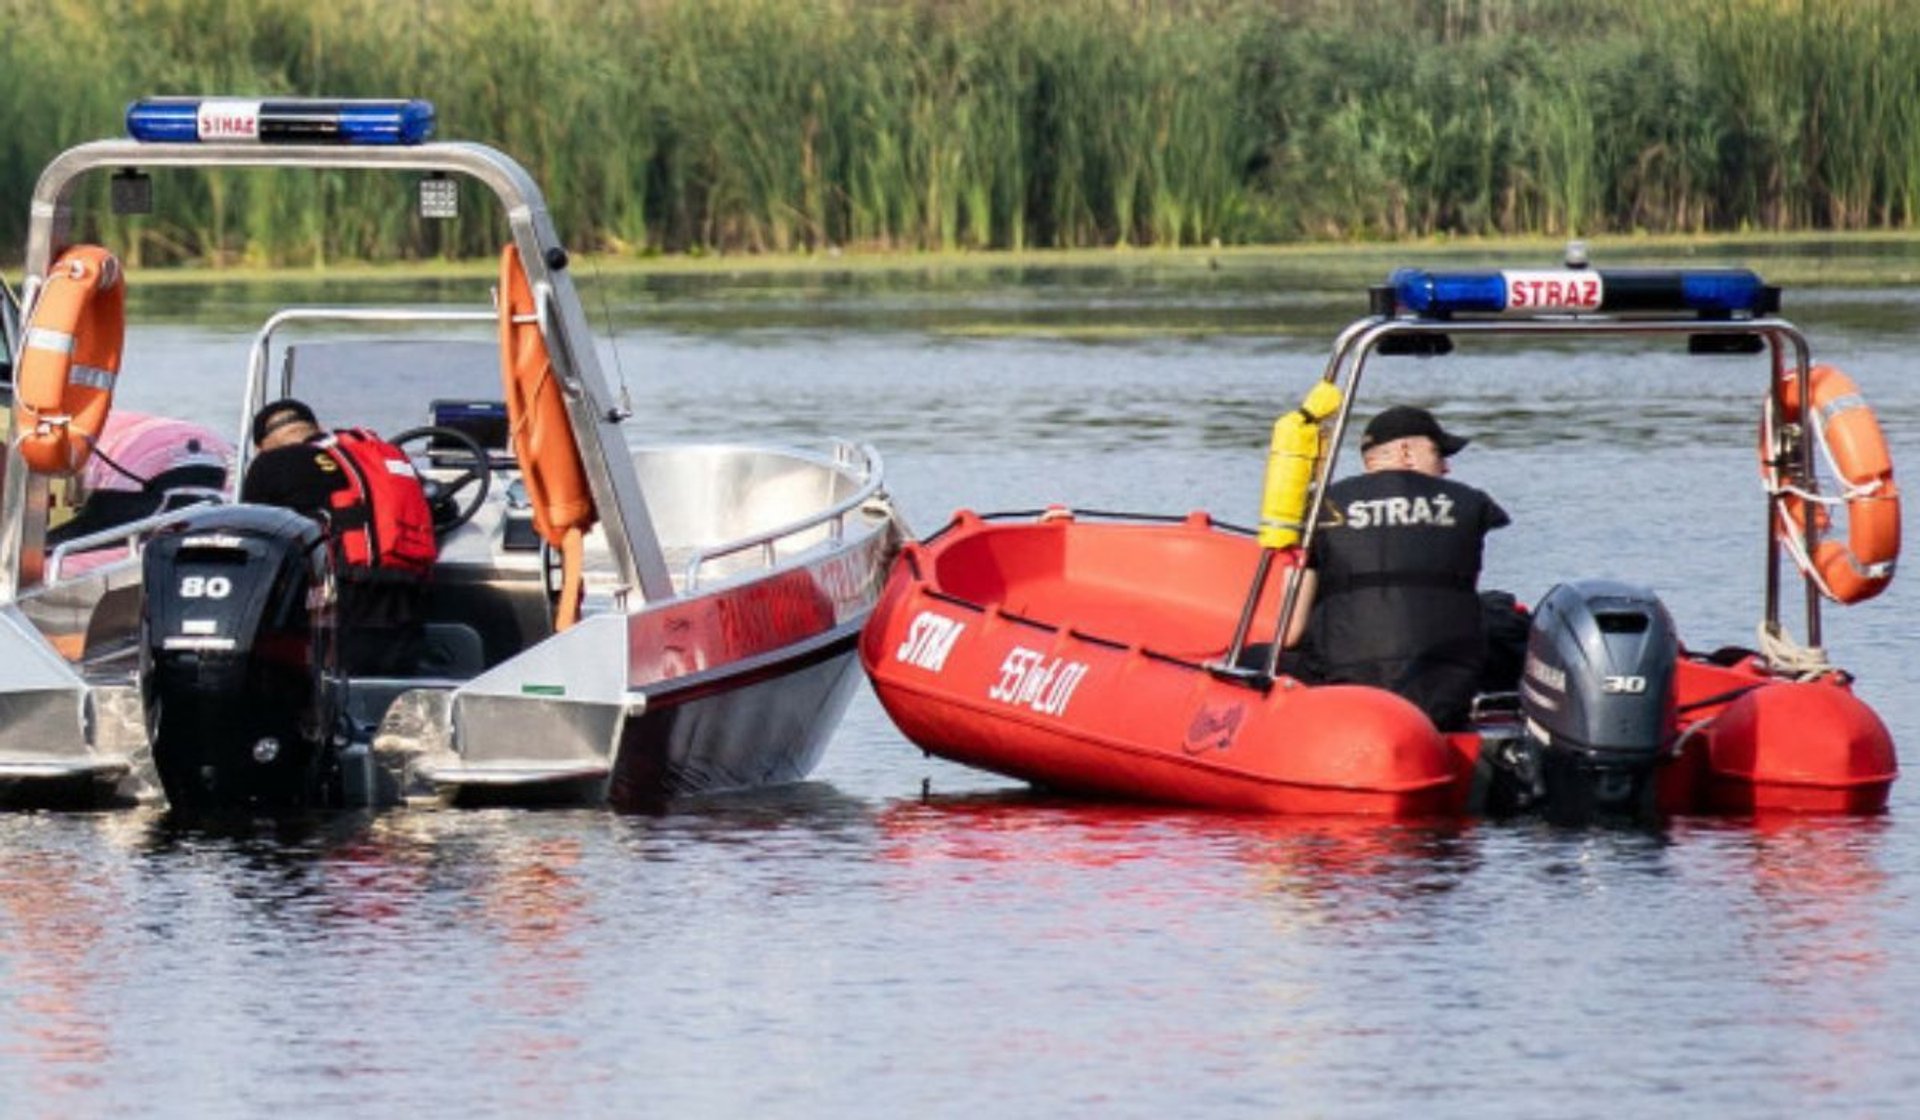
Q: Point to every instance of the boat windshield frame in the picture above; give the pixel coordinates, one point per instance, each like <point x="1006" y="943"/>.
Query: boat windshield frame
<point x="1784" y="343"/>
<point x="262" y="385"/>
<point x="593" y="412"/>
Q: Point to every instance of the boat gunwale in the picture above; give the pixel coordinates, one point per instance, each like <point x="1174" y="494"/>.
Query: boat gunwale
<point x="1198" y="519"/>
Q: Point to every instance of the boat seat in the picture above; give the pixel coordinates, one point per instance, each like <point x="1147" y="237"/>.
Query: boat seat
<point x="453" y="649"/>
<point x="1123" y="615"/>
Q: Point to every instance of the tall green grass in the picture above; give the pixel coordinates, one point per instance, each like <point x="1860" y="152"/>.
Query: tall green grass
<point x="801" y="125"/>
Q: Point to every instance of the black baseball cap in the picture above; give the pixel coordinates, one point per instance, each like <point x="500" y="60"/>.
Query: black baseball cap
<point x="278" y="415"/>
<point x="1404" y="420"/>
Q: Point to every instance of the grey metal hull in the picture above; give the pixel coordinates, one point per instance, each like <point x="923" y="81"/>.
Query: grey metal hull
<point x="760" y="725"/>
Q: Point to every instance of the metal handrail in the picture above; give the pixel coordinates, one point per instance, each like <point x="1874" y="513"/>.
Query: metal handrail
<point x="836" y="514"/>
<point x="130" y="533"/>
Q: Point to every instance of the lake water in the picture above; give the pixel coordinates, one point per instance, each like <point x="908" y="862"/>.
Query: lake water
<point x="900" y="936"/>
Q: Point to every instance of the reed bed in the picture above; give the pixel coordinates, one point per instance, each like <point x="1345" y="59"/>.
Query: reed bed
<point x="781" y="126"/>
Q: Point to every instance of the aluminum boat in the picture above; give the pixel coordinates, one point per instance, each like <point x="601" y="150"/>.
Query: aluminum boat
<point x="606" y="623"/>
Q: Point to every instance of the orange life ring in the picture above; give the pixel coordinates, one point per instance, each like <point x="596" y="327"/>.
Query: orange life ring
<point x="543" y="444"/>
<point x="70" y="360"/>
<point x="1859" y="568"/>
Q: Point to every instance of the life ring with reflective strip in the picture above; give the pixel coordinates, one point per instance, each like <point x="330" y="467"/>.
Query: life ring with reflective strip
<point x="543" y="443"/>
<point x="1849" y="435"/>
<point x="70" y="360"/>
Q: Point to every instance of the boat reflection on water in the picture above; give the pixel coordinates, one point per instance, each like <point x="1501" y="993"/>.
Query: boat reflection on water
<point x="1810" y="874"/>
<point x="387" y="901"/>
<point x="535" y="911"/>
<point x="1341" y="867"/>
<point x="1819" y="935"/>
<point x="1814" y="879"/>
<point x="59" y="965"/>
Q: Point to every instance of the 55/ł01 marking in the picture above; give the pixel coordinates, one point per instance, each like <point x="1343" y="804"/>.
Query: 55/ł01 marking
<point x="1029" y="679"/>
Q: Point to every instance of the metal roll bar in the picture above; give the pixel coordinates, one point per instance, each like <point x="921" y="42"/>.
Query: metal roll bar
<point x="1360" y="340"/>
<point x="592" y="411"/>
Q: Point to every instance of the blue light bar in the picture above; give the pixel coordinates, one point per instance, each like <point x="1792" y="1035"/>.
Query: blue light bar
<point x="1576" y="291"/>
<point x="1727" y="292"/>
<point x="164" y="120"/>
<point x="289" y="120"/>
<point x="1433" y="294"/>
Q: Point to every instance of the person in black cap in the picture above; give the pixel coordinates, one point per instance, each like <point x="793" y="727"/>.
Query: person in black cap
<point x="302" y="467"/>
<point x="1389" y="593"/>
<point x="285" y="423"/>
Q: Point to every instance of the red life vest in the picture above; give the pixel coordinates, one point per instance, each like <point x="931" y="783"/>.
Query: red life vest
<point x="381" y="518"/>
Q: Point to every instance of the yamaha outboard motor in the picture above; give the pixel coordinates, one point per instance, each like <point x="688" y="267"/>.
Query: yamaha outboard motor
<point x="238" y="658"/>
<point x="1597" y="697"/>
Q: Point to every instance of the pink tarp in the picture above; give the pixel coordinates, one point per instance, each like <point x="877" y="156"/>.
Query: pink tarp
<point x="135" y="448"/>
<point x="146" y="446"/>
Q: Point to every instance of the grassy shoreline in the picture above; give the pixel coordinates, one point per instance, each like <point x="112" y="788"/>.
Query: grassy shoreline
<point x="1811" y="257"/>
<point x="765" y="126"/>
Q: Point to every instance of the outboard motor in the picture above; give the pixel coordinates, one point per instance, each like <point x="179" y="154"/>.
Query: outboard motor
<point x="238" y="658"/>
<point x="1597" y="697"/>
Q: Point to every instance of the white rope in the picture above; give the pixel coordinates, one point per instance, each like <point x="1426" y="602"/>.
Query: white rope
<point x="1850" y="492"/>
<point x="1788" y="657"/>
<point x="1789" y="537"/>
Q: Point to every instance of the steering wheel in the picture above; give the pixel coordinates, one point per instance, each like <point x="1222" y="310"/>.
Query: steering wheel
<point x="443" y="496"/>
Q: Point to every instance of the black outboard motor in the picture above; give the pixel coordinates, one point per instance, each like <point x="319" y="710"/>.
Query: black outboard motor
<point x="1597" y="697"/>
<point x="238" y="658"/>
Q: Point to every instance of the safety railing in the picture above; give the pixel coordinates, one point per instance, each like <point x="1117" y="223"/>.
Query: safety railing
<point x="176" y="503"/>
<point x="833" y="517"/>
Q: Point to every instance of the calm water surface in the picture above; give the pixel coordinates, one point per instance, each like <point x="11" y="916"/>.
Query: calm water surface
<point x="900" y="936"/>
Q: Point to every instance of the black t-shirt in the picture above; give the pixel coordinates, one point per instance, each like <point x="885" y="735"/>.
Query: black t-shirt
<point x="1397" y="556"/>
<point x="305" y="477"/>
<point x="302" y="476"/>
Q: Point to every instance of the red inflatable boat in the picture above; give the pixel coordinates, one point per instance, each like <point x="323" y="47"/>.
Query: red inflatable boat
<point x="1121" y="655"/>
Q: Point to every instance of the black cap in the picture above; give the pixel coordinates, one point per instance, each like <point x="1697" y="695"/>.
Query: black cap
<point x="281" y="413"/>
<point x="1404" y="420"/>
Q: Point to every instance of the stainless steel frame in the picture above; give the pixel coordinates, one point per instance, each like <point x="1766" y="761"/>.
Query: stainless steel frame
<point x="261" y="353"/>
<point x="1784" y="342"/>
<point x="591" y="407"/>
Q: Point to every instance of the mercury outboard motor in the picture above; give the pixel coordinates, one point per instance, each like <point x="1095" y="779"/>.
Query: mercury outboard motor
<point x="238" y="658"/>
<point x="1597" y="697"/>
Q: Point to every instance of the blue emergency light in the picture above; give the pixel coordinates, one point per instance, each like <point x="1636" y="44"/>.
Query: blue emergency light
<point x="1715" y="293"/>
<point x="284" y="120"/>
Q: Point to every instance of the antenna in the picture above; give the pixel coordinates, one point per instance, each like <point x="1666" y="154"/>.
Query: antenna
<point x="622" y="408"/>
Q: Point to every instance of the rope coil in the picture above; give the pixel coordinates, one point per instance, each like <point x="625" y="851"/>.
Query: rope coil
<point x="1787" y="657"/>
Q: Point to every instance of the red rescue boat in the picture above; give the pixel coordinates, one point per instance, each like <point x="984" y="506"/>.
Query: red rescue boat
<point x="1123" y="656"/>
<point x="1057" y="651"/>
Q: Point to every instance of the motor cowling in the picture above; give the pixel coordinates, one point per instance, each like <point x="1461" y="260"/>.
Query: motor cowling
<point x="238" y="657"/>
<point x="1597" y="695"/>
